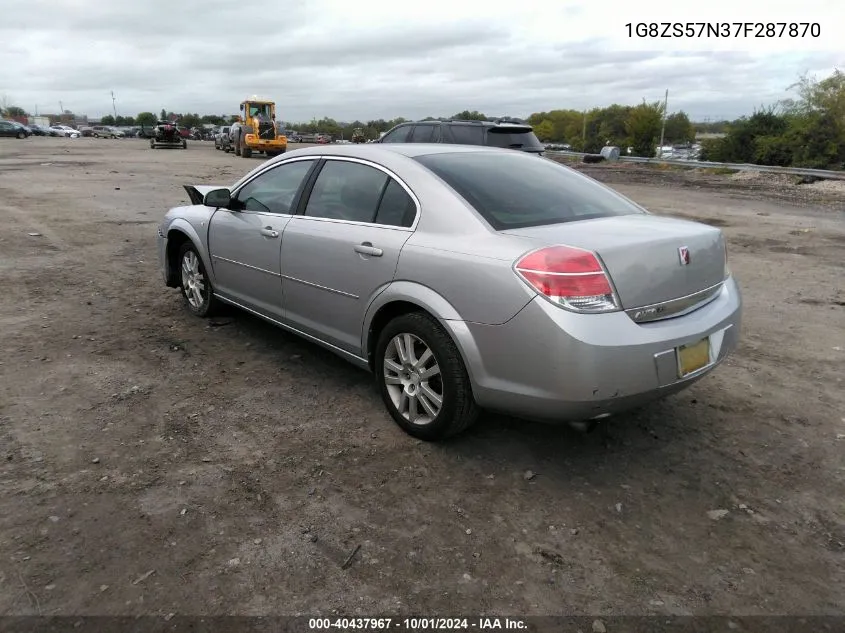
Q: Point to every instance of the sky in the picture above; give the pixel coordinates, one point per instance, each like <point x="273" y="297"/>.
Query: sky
<point x="371" y="59"/>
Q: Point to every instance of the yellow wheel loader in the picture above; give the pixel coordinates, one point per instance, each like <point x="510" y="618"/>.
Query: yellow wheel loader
<point x="256" y="129"/>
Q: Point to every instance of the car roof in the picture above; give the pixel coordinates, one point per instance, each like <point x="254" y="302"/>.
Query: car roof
<point x="496" y="123"/>
<point x="374" y="150"/>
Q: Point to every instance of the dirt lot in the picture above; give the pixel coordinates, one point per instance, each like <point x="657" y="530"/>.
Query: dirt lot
<point x="154" y="463"/>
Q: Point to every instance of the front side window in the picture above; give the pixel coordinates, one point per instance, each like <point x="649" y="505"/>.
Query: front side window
<point x="346" y="191"/>
<point x="513" y="190"/>
<point x="275" y="190"/>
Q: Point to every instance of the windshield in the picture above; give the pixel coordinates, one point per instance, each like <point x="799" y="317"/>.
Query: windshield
<point x="519" y="138"/>
<point x="513" y="190"/>
<point x="259" y="110"/>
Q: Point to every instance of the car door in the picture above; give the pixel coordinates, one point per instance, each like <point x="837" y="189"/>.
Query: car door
<point x="343" y="249"/>
<point x="244" y="241"/>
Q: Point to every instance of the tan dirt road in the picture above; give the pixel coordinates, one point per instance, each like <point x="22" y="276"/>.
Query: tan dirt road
<point x="154" y="463"/>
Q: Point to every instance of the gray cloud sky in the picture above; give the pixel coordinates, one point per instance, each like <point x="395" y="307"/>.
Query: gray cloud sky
<point x="365" y="59"/>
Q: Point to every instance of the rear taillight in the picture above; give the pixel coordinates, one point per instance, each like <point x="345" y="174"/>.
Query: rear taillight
<point x="570" y="277"/>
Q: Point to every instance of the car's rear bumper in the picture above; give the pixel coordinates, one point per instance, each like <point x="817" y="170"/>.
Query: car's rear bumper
<point x="551" y="364"/>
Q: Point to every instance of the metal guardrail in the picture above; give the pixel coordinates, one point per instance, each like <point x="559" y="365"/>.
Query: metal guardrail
<point x="826" y="174"/>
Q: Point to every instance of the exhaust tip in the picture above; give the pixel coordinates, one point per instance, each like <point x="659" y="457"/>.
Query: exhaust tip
<point x="588" y="426"/>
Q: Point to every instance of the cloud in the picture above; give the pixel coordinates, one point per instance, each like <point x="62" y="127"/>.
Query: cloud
<point x="371" y="59"/>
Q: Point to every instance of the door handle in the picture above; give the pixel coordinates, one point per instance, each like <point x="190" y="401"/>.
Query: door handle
<point x="367" y="248"/>
<point x="268" y="231"/>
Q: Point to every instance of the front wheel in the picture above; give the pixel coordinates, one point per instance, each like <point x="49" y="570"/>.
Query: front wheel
<point x="20" y="134"/>
<point x="422" y="378"/>
<point x="196" y="288"/>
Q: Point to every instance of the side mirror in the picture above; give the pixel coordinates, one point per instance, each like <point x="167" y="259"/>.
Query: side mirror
<point x="242" y="106"/>
<point x="218" y="198"/>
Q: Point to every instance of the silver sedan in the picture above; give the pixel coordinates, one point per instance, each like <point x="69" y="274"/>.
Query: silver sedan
<point x="463" y="278"/>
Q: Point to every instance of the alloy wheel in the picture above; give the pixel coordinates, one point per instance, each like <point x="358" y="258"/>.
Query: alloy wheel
<point x="412" y="378"/>
<point x="194" y="284"/>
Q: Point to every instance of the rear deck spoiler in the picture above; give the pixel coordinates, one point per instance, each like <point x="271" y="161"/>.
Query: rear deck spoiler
<point x="197" y="192"/>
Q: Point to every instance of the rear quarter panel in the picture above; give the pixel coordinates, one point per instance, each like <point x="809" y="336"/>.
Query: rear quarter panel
<point x="474" y="276"/>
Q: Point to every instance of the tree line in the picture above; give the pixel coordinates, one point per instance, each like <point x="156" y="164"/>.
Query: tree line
<point x="807" y="131"/>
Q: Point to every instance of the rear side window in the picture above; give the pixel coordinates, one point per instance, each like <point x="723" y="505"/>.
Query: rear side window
<point x="396" y="207"/>
<point x="513" y="139"/>
<point x="346" y="191"/>
<point x="426" y="134"/>
<point x="514" y="190"/>
<point x="399" y="135"/>
<point x="467" y="134"/>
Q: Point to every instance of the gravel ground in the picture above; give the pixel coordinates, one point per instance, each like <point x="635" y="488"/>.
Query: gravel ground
<point x="154" y="463"/>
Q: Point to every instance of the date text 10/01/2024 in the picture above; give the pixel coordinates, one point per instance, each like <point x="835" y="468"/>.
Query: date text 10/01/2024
<point x="418" y="624"/>
<point x="723" y="29"/>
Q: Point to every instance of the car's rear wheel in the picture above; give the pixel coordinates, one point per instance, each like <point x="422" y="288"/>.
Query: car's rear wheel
<point x="196" y="288"/>
<point x="422" y="378"/>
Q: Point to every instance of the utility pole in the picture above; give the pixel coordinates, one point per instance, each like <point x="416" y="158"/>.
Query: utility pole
<point x="61" y="108"/>
<point x="663" y="128"/>
<point x="113" y="106"/>
<point x="584" y="130"/>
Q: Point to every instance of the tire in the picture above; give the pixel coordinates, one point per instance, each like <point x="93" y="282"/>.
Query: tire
<point x="184" y="144"/>
<point x="194" y="283"/>
<point x="236" y="146"/>
<point x="20" y="134"/>
<point x="458" y="409"/>
<point x="152" y="143"/>
<point x="246" y="152"/>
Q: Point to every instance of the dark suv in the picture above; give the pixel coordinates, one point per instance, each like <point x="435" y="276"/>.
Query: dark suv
<point x="507" y="134"/>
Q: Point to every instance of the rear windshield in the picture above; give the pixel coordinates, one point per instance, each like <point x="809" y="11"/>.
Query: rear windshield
<point x="513" y="190"/>
<point x="513" y="139"/>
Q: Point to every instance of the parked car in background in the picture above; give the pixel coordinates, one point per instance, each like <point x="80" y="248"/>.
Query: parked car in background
<point x="106" y="131"/>
<point x="222" y="140"/>
<point x="39" y="130"/>
<point x="86" y="131"/>
<point x="503" y="133"/>
<point x="66" y="130"/>
<point x="463" y="278"/>
<point x="167" y="134"/>
<point x="13" y="129"/>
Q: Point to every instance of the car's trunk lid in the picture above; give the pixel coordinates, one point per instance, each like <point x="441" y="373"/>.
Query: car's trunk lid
<point x="644" y="254"/>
